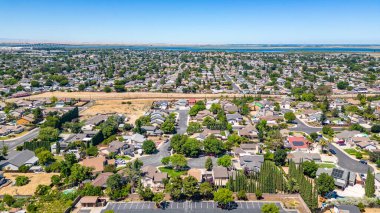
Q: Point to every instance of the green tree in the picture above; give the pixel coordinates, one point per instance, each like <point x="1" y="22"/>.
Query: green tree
<point x="342" y="85"/>
<point x="115" y="182"/>
<point x="49" y="134"/>
<point x="370" y="184"/>
<point x="165" y="160"/>
<point x="212" y="145"/>
<point x="45" y="157"/>
<point x="225" y="161"/>
<point x="191" y="148"/>
<point x="223" y="196"/>
<point x="55" y="180"/>
<point x="158" y="198"/>
<point x="37" y="115"/>
<point x="194" y="127"/>
<point x="375" y="128"/>
<point x="208" y="164"/>
<point x="146" y="194"/>
<point x="328" y="130"/>
<point x="79" y="173"/>
<point x="149" y="147"/>
<point x="289" y="116"/>
<point x="310" y="168"/>
<point x="168" y="127"/>
<point x="206" y="190"/>
<point x="4" y="150"/>
<point x="92" y="151"/>
<point x="9" y="200"/>
<point x="190" y="187"/>
<point x="325" y="184"/>
<point x="178" y="161"/>
<point x="280" y="157"/>
<point x="270" y="208"/>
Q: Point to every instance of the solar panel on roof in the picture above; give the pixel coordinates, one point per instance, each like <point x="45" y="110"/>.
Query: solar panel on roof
<point x="298" y="143"/>
<point x="337" y="173"/>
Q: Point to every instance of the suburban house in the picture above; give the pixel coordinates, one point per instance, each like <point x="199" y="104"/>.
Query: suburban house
<point x="252" y="148"/>
<point x="249" y="132"/>
<point x="234" y="119"/>
<point x="151" y="130"/>
<point x="92" y="201"/>
<point x="251" y="162"/>
<point x="297" y="143"/>
<point x="220" y="176"/>
<point x="342" y="177"/>
<point x="25" y="157"/>
<point x="153" y="178"/>
<point x="97" y="163"/>
<point x="101" y="180"/>
<point x="299" y="157"/>
<point x="25" y="120"/>
<point x="136" y="140"/>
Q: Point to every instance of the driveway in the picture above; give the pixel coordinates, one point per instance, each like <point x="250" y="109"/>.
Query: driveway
<point x="349" y="163"/>
<point x="199" y="162"/>
<point x="190" y="207"/>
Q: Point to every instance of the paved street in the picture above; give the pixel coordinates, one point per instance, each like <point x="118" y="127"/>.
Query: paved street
<point x="302" y="127"/>
<point x="346" y="162"/>
<point x="155" y="159"/>
<point x="190" y="207"/>
<point x="236" y="88"/>
<point x="182" y="121"/>
<point x="13" y="143"/>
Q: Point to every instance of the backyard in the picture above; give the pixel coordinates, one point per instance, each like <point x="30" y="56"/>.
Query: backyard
<point x="172" y="172"/>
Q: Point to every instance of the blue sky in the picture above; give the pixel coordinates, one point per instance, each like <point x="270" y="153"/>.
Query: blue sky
<point x="193" y="21"/>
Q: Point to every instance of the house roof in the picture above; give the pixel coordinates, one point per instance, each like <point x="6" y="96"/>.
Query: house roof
<point x="22" y="158"/>
<point x="348" y="209"/>
<point x="299" y="156"/>
<point x="97" y="163"/>
<point x="89" y="199"/>
<point x="346" y="134"/>
<point x="245" y="146"/>
<point x="101" y="179"/>
<point x="220" y="172"/>
<point x="196" y="173"/>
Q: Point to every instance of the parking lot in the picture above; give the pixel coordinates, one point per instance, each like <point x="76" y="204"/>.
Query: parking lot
<point x="174" y="207"/>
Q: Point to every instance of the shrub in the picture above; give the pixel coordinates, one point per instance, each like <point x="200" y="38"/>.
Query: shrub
<point x="258" y="194"/>
<point x="22" y="180"/>
<point x="241" y="195"/>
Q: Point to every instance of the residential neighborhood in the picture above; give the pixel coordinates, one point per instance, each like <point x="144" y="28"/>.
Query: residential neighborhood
<point x="90" y="130"/>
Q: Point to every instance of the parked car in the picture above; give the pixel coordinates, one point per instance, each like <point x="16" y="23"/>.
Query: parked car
<point x="332" y="151"/>
<point x="363" y="162"/>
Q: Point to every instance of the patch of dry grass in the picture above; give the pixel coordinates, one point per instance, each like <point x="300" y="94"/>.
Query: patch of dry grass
<point x="29" y="189"/>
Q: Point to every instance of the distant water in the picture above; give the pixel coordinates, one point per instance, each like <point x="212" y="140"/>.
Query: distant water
<point x="222" y="48"/>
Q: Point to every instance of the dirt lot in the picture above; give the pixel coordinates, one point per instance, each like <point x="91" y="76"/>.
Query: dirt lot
<point x="133" y="109"/>
<point x="28" y="189"/>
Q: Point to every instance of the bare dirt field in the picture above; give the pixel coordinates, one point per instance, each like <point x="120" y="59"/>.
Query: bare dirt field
<point x="147" y="95"/>
<point x="29" y="189"/>
<point x="133" y="109"/>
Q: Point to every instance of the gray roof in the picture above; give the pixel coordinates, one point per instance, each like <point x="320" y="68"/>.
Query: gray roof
<point x="348" y="208"/>
<point x="346" y="134"/>
<point x="22" y="158"/>
<point x="220" y="172"/>
<point x="252" y="162"/>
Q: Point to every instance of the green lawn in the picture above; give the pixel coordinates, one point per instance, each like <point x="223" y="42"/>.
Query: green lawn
<point x="326" y="165"/>
<point x="125" y="157"/>
<point x="353" y="151"/>
<point x="171" y="172"/>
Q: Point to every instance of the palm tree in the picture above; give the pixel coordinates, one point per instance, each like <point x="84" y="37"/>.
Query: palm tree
<point x="323" y="143"/>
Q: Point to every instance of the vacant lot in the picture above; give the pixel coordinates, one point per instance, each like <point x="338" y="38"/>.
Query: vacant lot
<point x="133" y="109"/>
<point x="28" y="189"/>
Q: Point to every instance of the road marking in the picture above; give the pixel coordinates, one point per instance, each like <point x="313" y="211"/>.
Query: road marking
<point x="213" y="205"/>
<point x="246" y="204"/>
<point x="177" y="205"/>
<point x="207" y="205"/>
<point x="130" y="207"/>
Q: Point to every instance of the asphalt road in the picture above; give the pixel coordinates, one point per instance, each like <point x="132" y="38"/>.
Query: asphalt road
<point x="348" y="163"/>
<point x="13" y="143"/>
<point x="155" y="159"/>
<point x="302" y="127"/>
<point x="190" y="207"/>
<point x="182" y="121"/>
<point x="236" y="88"/>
